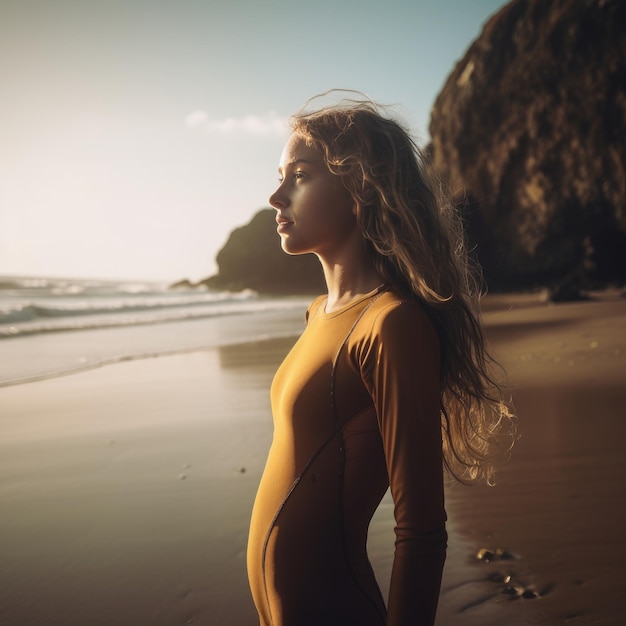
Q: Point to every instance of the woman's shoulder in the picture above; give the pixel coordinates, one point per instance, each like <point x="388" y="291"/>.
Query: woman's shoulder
<point x="391" y="306"/>
<point x="394" y="317"/>
<point x="397" y="325"/>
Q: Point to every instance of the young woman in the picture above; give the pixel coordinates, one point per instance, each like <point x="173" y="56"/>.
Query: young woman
<point x="387" y="385"/>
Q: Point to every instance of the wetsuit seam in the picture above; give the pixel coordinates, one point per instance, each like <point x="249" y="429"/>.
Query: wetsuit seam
<point x="277" y="515"/>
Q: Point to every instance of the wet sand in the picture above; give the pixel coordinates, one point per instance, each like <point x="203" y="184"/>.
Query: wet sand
<point x="559" y="506"/>
<point x="126" y="491"/>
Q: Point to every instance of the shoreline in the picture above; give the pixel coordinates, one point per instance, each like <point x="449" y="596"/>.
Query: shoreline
<point x="494" y="307"/>
<point x="39" y="357"/>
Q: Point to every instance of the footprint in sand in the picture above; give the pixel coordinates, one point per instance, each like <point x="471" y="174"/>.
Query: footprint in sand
<point x="510" y="587"/>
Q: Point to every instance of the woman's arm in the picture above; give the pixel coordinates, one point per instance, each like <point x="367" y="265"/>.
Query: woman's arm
<point x="401" y="368"/>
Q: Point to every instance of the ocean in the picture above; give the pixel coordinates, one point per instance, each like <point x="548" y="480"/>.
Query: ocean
<point x="55" y="326"/>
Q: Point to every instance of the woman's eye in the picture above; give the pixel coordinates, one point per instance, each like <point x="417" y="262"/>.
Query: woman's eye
<point x="295" y="175"/>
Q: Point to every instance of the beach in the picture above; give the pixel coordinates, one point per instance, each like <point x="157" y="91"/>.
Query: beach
<point x="126" y="488"/>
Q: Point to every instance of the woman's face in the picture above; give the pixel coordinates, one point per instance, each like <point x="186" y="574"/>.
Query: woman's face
<point x="315" y="212"/>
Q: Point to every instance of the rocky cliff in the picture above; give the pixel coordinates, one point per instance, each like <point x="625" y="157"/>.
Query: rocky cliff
<point x="253" y="259"/>
<point x="530" y="130"/>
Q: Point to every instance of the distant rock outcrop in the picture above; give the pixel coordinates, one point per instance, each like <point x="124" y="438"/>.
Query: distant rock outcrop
<point x="253" y="259"/>
<point x="530" y="129"/>
<point x="185" y="283"/>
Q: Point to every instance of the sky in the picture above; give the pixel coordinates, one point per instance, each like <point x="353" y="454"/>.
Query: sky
<point x="136" y="134"/>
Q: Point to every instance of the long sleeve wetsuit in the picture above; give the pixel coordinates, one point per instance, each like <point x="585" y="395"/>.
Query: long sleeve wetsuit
<point x="356" y="406"/>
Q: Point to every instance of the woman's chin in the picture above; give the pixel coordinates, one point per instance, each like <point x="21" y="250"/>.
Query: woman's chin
<point x="290" y="247"/>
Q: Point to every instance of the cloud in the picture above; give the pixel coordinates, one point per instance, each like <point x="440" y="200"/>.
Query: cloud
<point x="197" y="118"/>
<point x="268" y="124"/>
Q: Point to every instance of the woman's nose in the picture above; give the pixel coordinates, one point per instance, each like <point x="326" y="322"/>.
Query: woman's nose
<point x="278" y="199"/>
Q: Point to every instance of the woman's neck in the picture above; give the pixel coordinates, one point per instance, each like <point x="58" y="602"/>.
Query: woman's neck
<point x="348" y="281"/>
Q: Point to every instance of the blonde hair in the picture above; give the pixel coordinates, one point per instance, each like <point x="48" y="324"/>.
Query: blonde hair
<point x="417" y="243"/>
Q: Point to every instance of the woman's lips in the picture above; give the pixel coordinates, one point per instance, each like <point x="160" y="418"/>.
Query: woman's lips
<point x="283" y="223"/>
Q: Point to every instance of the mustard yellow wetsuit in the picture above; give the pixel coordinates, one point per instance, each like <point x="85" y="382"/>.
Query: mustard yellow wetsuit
<point x="356" y="407"/>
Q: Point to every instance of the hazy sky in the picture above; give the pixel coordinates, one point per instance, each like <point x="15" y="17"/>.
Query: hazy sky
<point x="136" y="134"/>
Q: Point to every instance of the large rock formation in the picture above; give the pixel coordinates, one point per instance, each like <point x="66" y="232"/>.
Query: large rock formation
<point x="253" y="259"/>
<point x="530" y="128"/>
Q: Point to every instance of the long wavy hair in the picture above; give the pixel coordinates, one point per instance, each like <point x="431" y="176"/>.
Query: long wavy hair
<point x="417" y="243"/>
